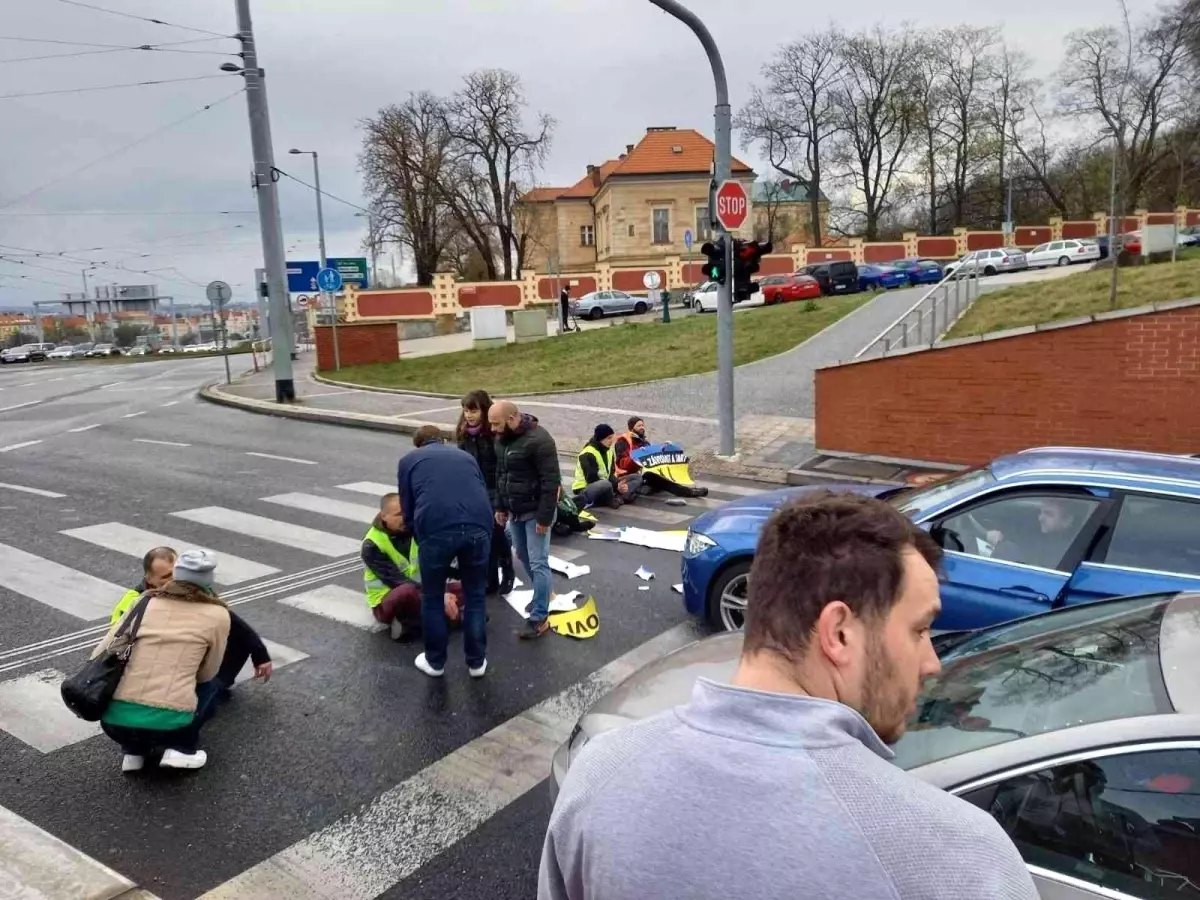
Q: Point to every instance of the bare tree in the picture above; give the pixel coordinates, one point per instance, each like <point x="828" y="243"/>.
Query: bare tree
<point x="494" y="151"/>
<point x="967" y="57"/>
<point x="929" y="121"/>
<point x="1038" y="150"/>
<point x="794" y="118"/>
<point x="1007" y="90"/>
<point x="875" y="111"/>
<point x="404" y="160"/>
<point x="778" y="224"/>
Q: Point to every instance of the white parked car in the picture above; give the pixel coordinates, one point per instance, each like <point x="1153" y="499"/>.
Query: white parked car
<point x="1063" y="253"/>
<point x="705" y="298"/>
<point x="64" y="352"/>
<point x="990" y="262"/>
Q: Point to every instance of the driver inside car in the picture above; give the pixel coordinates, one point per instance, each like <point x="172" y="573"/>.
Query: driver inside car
<point x="1057" y="525"/>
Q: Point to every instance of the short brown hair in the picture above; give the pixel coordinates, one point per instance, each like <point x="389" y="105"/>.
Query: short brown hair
<point x="823" y="547"/>
<point x="166" y="554"/>
<point x="427" y="434"/>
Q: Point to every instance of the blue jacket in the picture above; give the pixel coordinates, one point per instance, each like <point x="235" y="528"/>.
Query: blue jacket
<point x="442" y="487"/>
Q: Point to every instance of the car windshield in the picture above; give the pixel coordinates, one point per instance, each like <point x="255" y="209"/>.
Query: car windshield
<point x="916" y="501"/>
<point x="1092" y="663"/>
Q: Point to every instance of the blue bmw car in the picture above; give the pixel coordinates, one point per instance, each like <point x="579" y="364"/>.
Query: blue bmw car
<point x="920" y="271"/>
<point x="1037" y="530"/>
<point x="880" y="278"/>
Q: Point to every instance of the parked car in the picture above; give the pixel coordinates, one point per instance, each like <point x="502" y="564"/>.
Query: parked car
<point x="834" y="277"/>
<point x="1101" y="242"/>
<point x="880" y="278"/>
<point x="80" y="351"/>
<point x="1063" y="253"/>
<point x="599" y="304"/>
<point x="101" y="350"/>
<point x="26" y="353"/>
<point x="66" y="351"/>
<point x="991" y="262"/>
<point x="919" y="271"/>
<point x="785" y="288"/>
<point x="1076" y="730"/>
<point x="1036" y="530"/>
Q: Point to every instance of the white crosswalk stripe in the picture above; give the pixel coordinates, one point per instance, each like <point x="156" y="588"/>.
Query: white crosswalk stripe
<point x="249" y="525"/>
<point x="356" y="512"/>
<point x="135" y="542"/>
<point x="67" y="590"/>
<point x="32" y="711"/>
<point x="377" y="488"/>
<point x="338" y="603"/>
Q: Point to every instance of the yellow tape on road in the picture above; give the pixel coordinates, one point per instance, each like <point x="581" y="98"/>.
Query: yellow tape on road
<point x="581" y="623"/>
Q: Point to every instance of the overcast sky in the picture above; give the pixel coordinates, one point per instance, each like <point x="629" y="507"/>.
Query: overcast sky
<point x="605" y="69"/>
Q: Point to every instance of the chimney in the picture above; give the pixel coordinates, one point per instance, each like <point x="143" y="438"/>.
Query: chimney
<point x="628" y="149"/>
<point x="591" y="169"/>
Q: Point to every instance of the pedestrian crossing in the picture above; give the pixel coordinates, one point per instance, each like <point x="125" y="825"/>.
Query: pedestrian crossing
<point x="31" y="709"/>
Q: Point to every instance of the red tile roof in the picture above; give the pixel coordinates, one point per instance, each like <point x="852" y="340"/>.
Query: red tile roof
<point x="541" y="194"/>
<point x="587" y="186"/>
<point x="672" y="151"/>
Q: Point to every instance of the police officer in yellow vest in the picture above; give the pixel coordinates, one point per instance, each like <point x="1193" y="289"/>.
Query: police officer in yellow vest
<point x="392" y="573"/>
<point x="596" y="482"/>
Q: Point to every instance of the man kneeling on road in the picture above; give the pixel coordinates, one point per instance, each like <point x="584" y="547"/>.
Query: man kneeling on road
<point x="158" y="566"/>
<point x="596" y="482"/>
<point x="392" y="573"/>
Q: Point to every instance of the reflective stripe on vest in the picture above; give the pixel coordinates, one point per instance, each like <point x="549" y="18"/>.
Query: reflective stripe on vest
<point x="604" y="466"/>
<point x="410" y="566"/>
<point x="127" y="600"/>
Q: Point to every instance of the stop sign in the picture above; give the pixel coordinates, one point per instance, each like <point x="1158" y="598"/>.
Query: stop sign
<point x="732" y="205"/>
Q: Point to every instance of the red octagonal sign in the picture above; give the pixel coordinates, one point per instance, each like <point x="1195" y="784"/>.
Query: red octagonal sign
<point x="732" y="205"/>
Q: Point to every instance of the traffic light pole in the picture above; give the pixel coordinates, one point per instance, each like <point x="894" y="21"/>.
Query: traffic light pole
<point x="722" y="165"/>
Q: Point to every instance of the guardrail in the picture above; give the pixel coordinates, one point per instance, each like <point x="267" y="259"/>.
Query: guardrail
<point x="930" y="317"/>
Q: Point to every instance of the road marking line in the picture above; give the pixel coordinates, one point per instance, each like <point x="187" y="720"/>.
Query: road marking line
<point x="738" y="489"/>
<point x="338" y="603"/>
<point x="648" y="515"/>
<point x="20" y="405"/>
<point x="369" y="851"/>
<point x="32" y="711"/>
<point x="355" y="512"/>
<point x="75" y="593"/>
<point x="162" y="443"/>
<point x="18" y="446"/>
<point x="27" y="384"/>
<point x="286" y="533"/>
<point x="111" y="384"/>
<point x="291" y="459"/>
<point x="37" y="492"/>
<point x="377" y="488"/>
<point x="135" y="542"/>
<point x="170" y="403"/>
<point x="133" y="414"/>
<point x="84" y="428"/>
<point x="280" y="656"/>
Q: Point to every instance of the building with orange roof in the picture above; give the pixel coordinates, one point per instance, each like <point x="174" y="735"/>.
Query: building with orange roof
<point x="632" y="210"/>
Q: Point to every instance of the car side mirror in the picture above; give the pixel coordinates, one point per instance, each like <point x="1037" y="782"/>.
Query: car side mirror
<point x="946" y="538"/>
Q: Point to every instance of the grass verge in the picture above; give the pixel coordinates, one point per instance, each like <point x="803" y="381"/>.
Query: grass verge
<point x="1080" y="295"/>
<point x="605" y="357"/>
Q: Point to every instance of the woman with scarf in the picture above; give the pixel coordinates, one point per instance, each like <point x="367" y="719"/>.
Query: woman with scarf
<point x="475" y="436"/>
<point x="169" y="685"/>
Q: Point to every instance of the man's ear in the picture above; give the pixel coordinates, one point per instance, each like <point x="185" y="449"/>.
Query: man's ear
<point x="836" y="632"/>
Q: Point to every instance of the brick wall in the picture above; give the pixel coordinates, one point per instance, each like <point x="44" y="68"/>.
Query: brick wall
<point x="1125" y="381"/>
<point x="357" y="344"/>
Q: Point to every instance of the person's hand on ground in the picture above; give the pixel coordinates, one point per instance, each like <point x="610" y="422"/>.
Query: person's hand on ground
<point x="501" y="518"/>
<point x="264" y="670"/>
<point x="542" y="529"/>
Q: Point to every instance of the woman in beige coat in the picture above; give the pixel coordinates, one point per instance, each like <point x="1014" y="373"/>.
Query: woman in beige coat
<point x="167" y="689"/>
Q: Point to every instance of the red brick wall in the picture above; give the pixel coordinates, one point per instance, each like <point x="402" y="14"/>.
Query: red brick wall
<point x="1129" y="223"/>
<point x="1160" y="219"/>
<point x="776" y="265"/>
<point x="1031" y="237"/>
<point x="1118" y="383"/>
<point x="693" y="273"/>
<point x="395" y="303"/>
<point x="548" y="288"/>
<point x="1079" y="229"/>
<point x="358" y="345"/>
<point x="506" y="293"/>
<point x="1193" y="217"/>
<point x="937" y="248"/>
<point x="882" y="253"/>
<point x="820" y="256"/>
<point x="630" y="280"/>
<point x="985" y="240"/>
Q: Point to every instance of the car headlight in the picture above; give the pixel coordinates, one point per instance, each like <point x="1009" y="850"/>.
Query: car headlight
<point x="697" y="543"/>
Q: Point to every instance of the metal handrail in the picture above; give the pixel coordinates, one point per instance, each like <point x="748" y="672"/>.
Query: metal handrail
<point x="958" y="276"/>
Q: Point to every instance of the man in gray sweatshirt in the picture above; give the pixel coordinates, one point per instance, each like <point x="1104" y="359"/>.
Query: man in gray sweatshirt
<point x="779" y="785"/>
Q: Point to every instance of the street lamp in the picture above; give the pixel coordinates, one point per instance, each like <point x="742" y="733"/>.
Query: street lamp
<point x="1112" y="217"/>
<point x="1013" y="114"/>
<point x="317" y="185"/>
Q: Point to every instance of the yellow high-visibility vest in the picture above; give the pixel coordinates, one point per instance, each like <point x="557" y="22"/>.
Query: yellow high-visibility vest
<point x="604" y="466"/>
<point x="409" y="565"/>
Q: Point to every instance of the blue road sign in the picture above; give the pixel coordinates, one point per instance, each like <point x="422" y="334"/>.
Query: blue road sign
<point x="302" y="275"/>
<point x="687" y="239"/>
<point x="329" y="280"/>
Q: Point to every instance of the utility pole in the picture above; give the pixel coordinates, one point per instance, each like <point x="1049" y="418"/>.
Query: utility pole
<point x="722" y="167"/>
<point x="1112" y="226"/>
<point x="268" y="206"/>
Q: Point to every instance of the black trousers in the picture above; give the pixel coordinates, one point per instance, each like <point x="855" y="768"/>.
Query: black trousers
<point x="500" y="558"/>
<point x="237" y="651"/>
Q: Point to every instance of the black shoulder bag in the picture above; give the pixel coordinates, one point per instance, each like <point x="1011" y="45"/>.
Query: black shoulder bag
<point x="88" y="692"/>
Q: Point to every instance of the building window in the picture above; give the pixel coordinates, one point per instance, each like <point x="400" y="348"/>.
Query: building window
<point x="631" y="232"/>
<point x="587" y="236"/>
<point x="662" y="226"/>
<point x="703" y="226"/>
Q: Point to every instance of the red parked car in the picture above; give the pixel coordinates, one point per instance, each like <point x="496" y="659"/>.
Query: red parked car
<point x="782" y="288"/>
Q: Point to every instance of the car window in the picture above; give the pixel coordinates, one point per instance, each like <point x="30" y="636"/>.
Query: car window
<point x="619" y="295"/>
<point x="1056" y="245"/>
<point x="1124" y="822"/>
<point x="1033" y="529"/>
<point x="1158" y="533"/>
<point x="1104" y="669"/>
<point x="915" y="502"/>
<point x="1040" y="248"/>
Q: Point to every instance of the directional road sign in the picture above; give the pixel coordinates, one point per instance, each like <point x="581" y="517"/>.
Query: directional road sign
<point x="329" y="280"/>
<point x="302" y="275"/>
<point x="218" y="292"/>
<point x="732" y="205"/>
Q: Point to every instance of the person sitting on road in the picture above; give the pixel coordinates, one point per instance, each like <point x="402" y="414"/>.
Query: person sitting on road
<point x="168" y="688"/>
<point x="392" y="573"/>
<point x="244" y="643"/>
<point x="596" y="480"/>
<point x="633" y="439"/>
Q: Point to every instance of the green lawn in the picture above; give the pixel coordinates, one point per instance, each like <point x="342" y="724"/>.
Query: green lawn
<point x="604" y="357"/>
<point x="1080" y="295"/>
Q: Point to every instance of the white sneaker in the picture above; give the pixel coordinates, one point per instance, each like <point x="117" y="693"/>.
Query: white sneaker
<point x="397" y="629"/>
<point x="479" y="672"/>
<point x="131" y="763"/>
<point x="423" y="664"/>
<point x="173" y="759"/>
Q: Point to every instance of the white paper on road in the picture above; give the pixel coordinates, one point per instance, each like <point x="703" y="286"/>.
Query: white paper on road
<point x="643" y="587"/>
<point x="604" y="533"/>
<point x="562" y="567"/>
<point x="644" y="573"/>
<point x="520" y="600"/>
<point x="655" y="540"/>
<point x="677" y="588"/>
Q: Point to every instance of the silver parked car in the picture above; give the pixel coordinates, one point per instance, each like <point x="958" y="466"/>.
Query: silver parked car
<point x="1077" y="730"/>
<point x="599" y="304"/>
<point x="991" y="262"/>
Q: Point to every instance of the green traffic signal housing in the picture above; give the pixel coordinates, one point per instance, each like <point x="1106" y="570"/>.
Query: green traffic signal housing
<point x="714" y="268"/>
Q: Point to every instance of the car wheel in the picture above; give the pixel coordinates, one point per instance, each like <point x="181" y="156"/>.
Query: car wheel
<point x="727" y="595"/>
<point x="1064" y="261"/>
<point x="990" y="270"/>
<point x="596" y="313"/>
<point x="639" y="308"/>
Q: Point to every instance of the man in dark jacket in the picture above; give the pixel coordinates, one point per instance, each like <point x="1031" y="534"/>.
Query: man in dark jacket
<point x="527" y="485"/>
<point x="445" y="504"/>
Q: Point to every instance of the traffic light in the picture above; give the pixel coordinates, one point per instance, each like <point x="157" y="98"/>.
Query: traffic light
<point x="746" y="258"/>
<point x="714" y="269"/>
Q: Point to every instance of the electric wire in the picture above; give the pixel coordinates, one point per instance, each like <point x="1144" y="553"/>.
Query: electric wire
<point x="323" y="193"/>
<point x="125" y="15"/>
<point x="109" y="87"/>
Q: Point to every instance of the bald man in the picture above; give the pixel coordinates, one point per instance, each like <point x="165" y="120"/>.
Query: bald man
<point x="527" y="485"/>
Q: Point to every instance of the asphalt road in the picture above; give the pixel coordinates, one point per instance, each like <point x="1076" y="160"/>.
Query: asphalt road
<point x="387" y="782"/>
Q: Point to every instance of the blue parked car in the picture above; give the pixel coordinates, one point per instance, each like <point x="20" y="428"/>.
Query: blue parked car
<point x="876" y="278"/>
<point x="920" y="271"/>
<point x="1037" y="530"/>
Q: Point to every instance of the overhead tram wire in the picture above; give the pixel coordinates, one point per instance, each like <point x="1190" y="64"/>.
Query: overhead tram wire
<point x="109" y="87"/>
<point x="323" y="193"/>
<point x="98" y="52"/>
<point x="125" y="15"/>
<point x="69" y="213"/>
